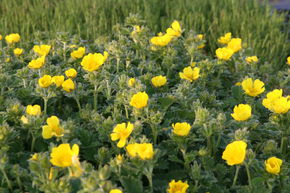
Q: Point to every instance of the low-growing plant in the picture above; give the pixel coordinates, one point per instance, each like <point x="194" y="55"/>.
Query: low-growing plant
<point x="144" y="112"/>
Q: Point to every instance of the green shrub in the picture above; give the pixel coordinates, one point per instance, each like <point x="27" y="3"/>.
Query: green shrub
<point x="91" y="103"/>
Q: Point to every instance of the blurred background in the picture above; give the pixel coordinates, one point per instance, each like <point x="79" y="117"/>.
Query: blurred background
<point x="263" y="25"/>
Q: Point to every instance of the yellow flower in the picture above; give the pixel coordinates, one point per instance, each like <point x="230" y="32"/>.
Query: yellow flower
<point x="64" y="156"/>
<point x="121" y="132"/>
<point x="174" y="30"/>
<point x="79" y="53"/>
<point x="92" y="62"/>
<point x="190" y="73"/>
<point x="119" y="159"/>
<point x="12" y="38"/>
<point x="131" y="82"/>
<point x="136" y="30"/>
<point x="161" y="40"/>
<point x="238" y="84"/>
<point x="57" y="80"/>
<point x="71" y="73"/>
<point x="68" y="85"/>
<point x="17" y="51"/>
<point x="0" y="37"/>
<point x="159" y="81"/>
<point x="181" y="129"/>
<point x="288" y="60"/>
<point x="37" y="63"/>
<point x="224" y="53"/>
<point x="139" y="100"/>
<point x="42" y="50"/>
<point x="143" y="151"/>
<point x="273" y="165"/>
<point x="235" y="153"/>
<point x="177" y="187"/>
<point x="225" y="39"/>
<point x="24" y="119"/>
<point x="116" y="191"/>
<point x="253" y="88"/>
<point x="34" y="157"/>
<point x="34" y="110"/>
<point x="276" y="103"/>
<point x="45" y="81"/>
<point x="7" y="60"/>
<point x="52" y="128"/>
<point x="235" y="44"/>
<point x="281" y="105"/>
<point x="242" y="112"/>
<point x="252" y="59"/>
<point x="199" y="37"/>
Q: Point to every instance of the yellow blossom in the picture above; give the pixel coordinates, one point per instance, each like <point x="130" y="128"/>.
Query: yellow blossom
<point x="177" y="187"/>
<point x="139" y="100"/>
<point x="64" y="156"/>
<point x="252" y="59"/>
<point x="24" y="119"/>
<point x="238" y="84"/>
<point x="181" y="129"/>
<point x="52" y="128"/>
<point x="37" y="63"/>
<point x="131" y="82"/>
<point x="68" y="85"/>
<point x="119" y="159"/>
<point x="71" y="73"/>
<point x="235" y="153"/>
<point x="116" y="191"/>
<point x="121" y="132"/>
<point x="273" y="165"/>
<point x="225" y="39"/>
<point x="162" y="40"/>
<point x="45" y="81"/>
<point x="79" y="53"/>
<point x="0" y="37"/>
<point x="224" y="53"/>
<point x="34" y="157"/>
<point x="276" y="103"/>
<point x="201" y="46"/>
<point x="242" y="112"/>
<point x="92" y="62"/>
<point x="190" y="73"/>
<point x="174" y="30"/>
<point x="159" y="81"/>
<point x="143" y="151"/>
<point x="42" y="50"/>
<point x="18" y="51"/>
<point x="136" y="30"/>
<point x="12" y="38"/>
<point x="57" y="80"/>
<point x="235" y="44"/>
<point x="288" y="60"/>
<point x="199" y="37"/>
<point x="34" y="110"/>
<point x="253" y="88"/>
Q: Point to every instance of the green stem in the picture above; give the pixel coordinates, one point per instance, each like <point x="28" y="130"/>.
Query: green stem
<point x="236" y="175"/>
<point x="33" y="142"/>
<point x="186" y="164"/>
<point x="126" y="111"/>
<point x="6" y="178"/>
<point x="45" y="105"/>
<point x="78" y="103"/>
<point x="248" y="174"/>
<point x="95" y="96"/>
<point x="154" y="133"/>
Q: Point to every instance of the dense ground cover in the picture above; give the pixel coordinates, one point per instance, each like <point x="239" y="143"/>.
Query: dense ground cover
<point x="141" y="113"/>
<point x="257" y="24"/>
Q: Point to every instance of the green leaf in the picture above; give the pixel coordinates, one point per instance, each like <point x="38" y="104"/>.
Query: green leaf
<point x="132" y="185"/>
